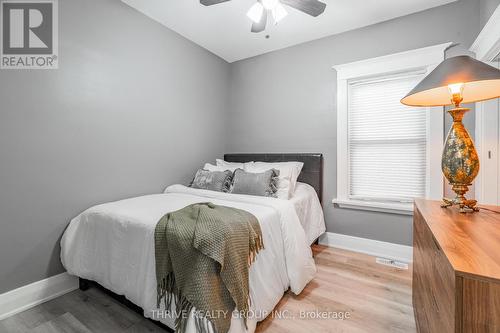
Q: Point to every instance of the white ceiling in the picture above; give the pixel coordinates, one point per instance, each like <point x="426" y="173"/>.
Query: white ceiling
<point x="224" y="29"/>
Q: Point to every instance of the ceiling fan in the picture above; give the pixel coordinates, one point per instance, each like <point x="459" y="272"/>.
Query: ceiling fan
<point x="258" y="13"/>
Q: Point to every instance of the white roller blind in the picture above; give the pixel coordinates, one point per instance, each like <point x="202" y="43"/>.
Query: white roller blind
<point x="387" y="140"/>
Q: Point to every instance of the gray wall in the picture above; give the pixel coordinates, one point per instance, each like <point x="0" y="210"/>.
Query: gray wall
<point x="285" y="101"/>
<point x="486" y="9"/>
<point x="134" y="107"/>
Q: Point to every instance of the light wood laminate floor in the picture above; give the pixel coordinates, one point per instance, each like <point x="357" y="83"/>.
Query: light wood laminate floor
<point x="377" y="299"/>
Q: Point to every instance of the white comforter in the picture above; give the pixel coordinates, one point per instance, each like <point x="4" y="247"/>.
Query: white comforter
<point x="113" y="244"/>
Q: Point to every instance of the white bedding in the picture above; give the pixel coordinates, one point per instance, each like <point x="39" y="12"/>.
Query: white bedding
<point x="113" y="244"/>
<point x="309" y="210"/>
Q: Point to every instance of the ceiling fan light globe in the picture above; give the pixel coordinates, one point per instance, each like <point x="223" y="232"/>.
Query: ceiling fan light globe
<point x="270" y="4"/>
<point x="279" y="13"/>
<point x="255" y="12"/>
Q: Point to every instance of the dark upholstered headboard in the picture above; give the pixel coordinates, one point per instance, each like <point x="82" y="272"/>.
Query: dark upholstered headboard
<point x="312" y="172"/>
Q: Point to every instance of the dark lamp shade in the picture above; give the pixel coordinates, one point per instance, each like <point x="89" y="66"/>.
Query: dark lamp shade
<point x="481" y="82"/>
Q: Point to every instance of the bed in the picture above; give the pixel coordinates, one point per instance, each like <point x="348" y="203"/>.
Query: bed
<point x="113" y="244"/>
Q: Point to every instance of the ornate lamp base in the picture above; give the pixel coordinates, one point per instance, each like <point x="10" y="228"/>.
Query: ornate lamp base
<point x="466" y="205"/>
<point x="460" y="163"/>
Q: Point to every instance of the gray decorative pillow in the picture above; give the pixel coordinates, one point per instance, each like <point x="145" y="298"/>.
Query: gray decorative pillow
<point x="263" y="184"/>
<point x="219" y="181"/>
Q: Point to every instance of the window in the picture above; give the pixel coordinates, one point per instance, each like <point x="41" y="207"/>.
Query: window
<point x="387" y="140"/>
<point x="388" y="154"/>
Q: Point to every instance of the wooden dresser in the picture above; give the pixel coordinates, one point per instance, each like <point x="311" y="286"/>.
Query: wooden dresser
<point x="456" y="269"/>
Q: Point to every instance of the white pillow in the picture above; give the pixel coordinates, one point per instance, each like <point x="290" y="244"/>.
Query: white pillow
<point x="289" y="172"/>
<point x="211" y="167"/>
<point x="231" y="165"/>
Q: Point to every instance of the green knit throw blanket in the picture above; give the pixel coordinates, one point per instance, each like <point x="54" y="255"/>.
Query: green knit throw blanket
<point x="203" y="253"/>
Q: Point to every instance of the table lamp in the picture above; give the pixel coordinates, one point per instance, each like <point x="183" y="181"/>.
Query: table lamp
<point x="457" y="80"/>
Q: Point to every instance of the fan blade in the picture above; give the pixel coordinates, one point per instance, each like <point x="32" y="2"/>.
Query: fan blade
<point x="261" y="26"/>
<point x="311" y="7"/>
<point x="212" y="2"/>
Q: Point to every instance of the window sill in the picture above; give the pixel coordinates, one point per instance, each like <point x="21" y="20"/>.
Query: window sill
<point x="384" y="207"/>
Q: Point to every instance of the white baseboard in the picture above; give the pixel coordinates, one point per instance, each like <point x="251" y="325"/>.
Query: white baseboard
<point x="24" y="298"/>
<point x="368" y="246"/>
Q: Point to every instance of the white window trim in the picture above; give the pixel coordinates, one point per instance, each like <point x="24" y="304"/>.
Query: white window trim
<point x="487" y="44"/>
<point x="420" y="59"/>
